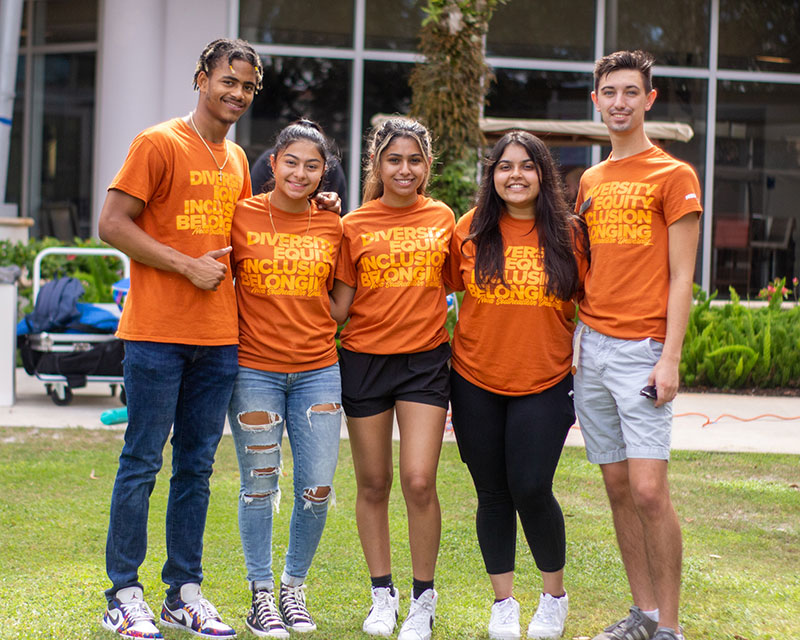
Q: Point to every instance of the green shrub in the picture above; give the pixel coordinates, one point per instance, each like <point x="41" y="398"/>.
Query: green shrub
<point x="735" y="346"/>
<point x="97" y="273"/>
<point x="455" y="185"/>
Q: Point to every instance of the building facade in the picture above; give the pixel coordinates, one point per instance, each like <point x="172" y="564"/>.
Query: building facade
<point x="93" y="73"/>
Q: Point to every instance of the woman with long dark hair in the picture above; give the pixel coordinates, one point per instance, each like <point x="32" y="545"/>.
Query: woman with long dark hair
<point x="511" y="382"/>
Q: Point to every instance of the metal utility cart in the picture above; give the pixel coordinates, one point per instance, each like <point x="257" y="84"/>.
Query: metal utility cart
<point x="57" y="385"/>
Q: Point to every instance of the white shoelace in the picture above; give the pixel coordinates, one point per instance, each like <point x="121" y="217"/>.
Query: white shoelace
<point x="419" y="615"/>
<point x="382" y="607"/>
<point x="137" y="610"/>
<point x="545" y="617"/>
<point x="293" y="601"/>
<point x="266" y="610"/>
<point x="546" y="613"/>
<point x="506" y="613"/>
<point x="204" y="608"/>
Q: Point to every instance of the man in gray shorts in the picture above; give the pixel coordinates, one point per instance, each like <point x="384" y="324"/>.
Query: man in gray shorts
<point x="642" y="208"/>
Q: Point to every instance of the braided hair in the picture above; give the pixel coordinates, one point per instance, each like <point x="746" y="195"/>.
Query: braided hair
<point x="230" y="50"/>
<point x="380" y="138"/>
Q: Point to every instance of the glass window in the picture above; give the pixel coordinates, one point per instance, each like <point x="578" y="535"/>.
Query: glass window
<point x="756" y="185"/>
<point x="62" y="135"/>
<point x="325" y="24"/>
<point x="14" y="182"/>
<point x="64" y="21"/>
<point x="393" y="24"/>
<point x="683" y="100"/>
<point x="314" y="88"/>
<point x="386" y="90"/>
<point x="540" y="30"/>
<point x="676" y="32"/>
<point x="23" y="32"/>
<point x="546" y="95"/>
<point x="760" y="35"/>
<point x="520" y="93"/>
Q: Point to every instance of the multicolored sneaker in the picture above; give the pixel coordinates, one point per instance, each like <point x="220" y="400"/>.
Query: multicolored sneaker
<point x="264" y="619"/>
<point x="637" y="626"/>
<point x="293" y="609"/>
<point x="193" y="613"/>
<point x="418" y="625"/>
<point x="382" y="617"/>
<point x="129" y="616"/>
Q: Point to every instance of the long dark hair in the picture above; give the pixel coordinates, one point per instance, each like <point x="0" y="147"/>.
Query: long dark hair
<point x="553" y="220"/>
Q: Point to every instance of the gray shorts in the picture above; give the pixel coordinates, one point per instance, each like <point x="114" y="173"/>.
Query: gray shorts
<point x="616" y="422"/>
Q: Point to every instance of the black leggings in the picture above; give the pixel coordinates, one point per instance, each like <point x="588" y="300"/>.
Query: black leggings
<point x="511" y="445"/>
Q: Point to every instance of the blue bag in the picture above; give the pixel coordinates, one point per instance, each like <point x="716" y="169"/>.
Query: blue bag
<point x="56" y="306"/>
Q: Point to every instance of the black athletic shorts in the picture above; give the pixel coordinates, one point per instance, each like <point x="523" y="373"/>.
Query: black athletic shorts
<point x="372" y="383"/>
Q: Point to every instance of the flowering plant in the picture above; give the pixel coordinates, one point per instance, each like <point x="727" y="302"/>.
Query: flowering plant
<point x="778" y="286"/>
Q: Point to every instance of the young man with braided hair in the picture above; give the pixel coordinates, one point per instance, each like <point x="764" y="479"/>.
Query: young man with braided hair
<point x="170" y="209"/>
<point x="642" y="208"/>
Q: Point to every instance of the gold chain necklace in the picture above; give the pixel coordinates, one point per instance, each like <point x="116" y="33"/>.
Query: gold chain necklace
<point x="272" y="222"/>
<point x="203" y="140"/>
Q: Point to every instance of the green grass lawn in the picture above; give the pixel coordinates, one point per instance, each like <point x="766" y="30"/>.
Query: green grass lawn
<point x="740" y="515"/>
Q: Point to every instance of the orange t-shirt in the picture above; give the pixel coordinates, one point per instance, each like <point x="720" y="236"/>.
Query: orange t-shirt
<point x="394" y="257"/>
<point x="283" y="276"/>
<point x="187" y="207"/>
<point x="511" y="339"/>
<point x="633" y="202"/>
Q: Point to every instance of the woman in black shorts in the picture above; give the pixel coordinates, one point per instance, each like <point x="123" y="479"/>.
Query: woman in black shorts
<point x="394" y="361"/>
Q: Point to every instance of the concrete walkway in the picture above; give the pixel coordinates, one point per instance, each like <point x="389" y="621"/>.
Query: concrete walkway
<point x="691" y="431"/>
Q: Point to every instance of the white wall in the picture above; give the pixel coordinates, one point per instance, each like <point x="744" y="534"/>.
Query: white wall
<point x="147" y="51"/>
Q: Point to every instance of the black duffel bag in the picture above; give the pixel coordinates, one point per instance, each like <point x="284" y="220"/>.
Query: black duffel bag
<point x="102" y="359"/>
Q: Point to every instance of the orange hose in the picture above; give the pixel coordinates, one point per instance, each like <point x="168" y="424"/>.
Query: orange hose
<point x="733" y="417"/>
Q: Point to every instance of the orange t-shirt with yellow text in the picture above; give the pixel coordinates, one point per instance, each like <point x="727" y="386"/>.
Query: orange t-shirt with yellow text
<point x="633" y="202"/>
<point x="511" y="338"/>
<point x="189" y="208"/>
<point x="283" y="275"/>
<point x="394" y="258"/>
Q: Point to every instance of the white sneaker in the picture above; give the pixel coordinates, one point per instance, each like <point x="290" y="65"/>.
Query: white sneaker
<point x="129" y="616"/>
<point x="418" y="624"/>
<point x="548" y="621"/>
<point x="504" y="623"/>
<point x="382" y="617"/>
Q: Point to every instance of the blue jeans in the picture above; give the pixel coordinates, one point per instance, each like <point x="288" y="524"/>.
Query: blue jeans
<point x="263" y="403"/>
<point x="168" y="384"/>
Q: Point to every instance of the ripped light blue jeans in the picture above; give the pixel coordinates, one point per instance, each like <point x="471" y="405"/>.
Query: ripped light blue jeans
<point x="308" y="405"/>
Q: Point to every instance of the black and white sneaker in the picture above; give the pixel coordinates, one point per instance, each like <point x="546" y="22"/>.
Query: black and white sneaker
<point x="382" y="618"/>
<point x="419" y="622"/>
<point x="293" y="609"/>
<point x="264" y="619"/>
